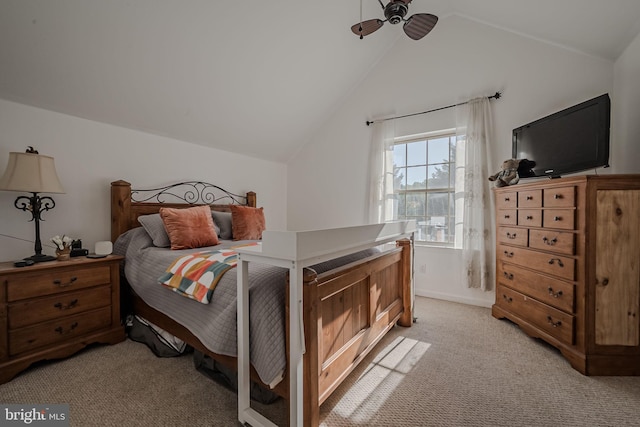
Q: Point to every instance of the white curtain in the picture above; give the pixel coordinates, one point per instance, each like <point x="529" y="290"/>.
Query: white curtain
<point x="474" y="132"/>
<point x="382" y="203"/>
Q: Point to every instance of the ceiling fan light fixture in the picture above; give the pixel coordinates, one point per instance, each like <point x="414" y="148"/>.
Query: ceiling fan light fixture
<point x="395" y="12"/>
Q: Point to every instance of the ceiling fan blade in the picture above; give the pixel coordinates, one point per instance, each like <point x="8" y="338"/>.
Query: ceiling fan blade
<point x="365" y="28"/>
<point x="419" y="25"/>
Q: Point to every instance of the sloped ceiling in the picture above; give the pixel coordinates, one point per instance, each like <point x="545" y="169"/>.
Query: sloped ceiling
<point x="249" y="76"/>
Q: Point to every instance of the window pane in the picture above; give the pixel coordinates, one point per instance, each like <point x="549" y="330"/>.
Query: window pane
<point x="452" y="152"/>
<point x="415" y="204"/>
<point x="417" y="178"/>
<point x="438" y="204"/>
<point x="417" y="153"/>
<point x="421" y="230"/>
<point x="452" y="204"/>
<point x="399" y="179"/>
<point x="399" y="155"/>
<point x="439" y="176"/>
<point x="438" y="150"/>
<point x="401" y="205"/>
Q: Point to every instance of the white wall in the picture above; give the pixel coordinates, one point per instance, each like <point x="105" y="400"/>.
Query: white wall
<point x="90" y="155"/>
<point x="459" y="60"/>
<point x="625" y="156"/>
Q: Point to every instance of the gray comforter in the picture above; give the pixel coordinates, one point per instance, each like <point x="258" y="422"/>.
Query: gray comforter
<point x="215" y="323"/>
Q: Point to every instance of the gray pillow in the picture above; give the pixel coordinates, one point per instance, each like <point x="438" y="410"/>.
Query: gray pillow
<point x="222" y="220"/>
<point x="155" y="228"/>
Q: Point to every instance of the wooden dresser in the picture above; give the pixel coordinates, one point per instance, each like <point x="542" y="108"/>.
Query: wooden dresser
<point x="568" y="267"/>
<point x="53" y="309"/>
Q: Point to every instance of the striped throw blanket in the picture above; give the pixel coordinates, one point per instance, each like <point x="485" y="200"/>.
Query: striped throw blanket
<point x="196" y="275"/>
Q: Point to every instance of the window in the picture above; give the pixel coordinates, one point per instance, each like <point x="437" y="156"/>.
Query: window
<point x="424" y="184"/>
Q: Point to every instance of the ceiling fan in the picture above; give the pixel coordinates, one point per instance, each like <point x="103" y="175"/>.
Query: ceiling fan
<point x="416" y="26"/>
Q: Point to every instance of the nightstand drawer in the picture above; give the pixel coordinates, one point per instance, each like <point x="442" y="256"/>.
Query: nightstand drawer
<point x="26" y="313"/>
<point x="42" y="334"/>
<point x="56" y="281"/>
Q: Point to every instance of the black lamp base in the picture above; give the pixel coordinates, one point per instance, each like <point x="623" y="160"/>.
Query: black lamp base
<point x="41" y="258"/>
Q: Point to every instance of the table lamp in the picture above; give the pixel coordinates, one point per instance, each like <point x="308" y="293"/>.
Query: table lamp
<point x="33" y="173"/>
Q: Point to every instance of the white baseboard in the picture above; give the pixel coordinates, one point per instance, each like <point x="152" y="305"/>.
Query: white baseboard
<point x="455" y="298"/>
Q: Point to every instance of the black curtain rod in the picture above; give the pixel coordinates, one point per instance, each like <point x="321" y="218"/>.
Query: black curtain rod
<point x="496" y="96"/>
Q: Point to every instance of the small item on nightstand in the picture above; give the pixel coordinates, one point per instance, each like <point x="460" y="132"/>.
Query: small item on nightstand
<point x="23" y="263"/>
<point x="96" y="256"/>
<point x="79" y="252"/>
<point x="104" y="247"/>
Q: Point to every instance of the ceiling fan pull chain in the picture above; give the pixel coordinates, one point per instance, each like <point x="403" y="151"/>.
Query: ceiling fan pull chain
<point x="360" y="28"/>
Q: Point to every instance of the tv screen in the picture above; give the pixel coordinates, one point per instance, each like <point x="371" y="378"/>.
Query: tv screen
<point x="571" y="140"/>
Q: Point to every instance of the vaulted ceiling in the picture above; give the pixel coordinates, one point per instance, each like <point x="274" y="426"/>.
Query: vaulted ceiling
<point x="249" y="76"/>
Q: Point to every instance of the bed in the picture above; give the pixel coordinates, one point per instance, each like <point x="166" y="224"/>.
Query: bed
<point x="349" y="303"/>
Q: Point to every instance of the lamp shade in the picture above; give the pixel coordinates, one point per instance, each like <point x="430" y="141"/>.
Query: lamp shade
<point x="33" y="173"/>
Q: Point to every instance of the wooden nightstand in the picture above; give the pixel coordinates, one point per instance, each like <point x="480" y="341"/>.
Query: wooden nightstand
<point x="53" y="309"/>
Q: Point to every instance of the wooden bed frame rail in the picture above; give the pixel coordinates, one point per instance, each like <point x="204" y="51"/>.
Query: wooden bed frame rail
<point x="347" y="311"/>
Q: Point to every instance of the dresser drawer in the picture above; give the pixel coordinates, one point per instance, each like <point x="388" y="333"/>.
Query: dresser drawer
<point x="59" y="330"/>
<point x="530" y="199"/>
<point x="24" y="313"/>
<point x="563" y="197"/>
<point x="554" y="292"/>
<point x="556" y="241"/>
<point x="556" y="323"/>
<point x="513" y="236"/>
<point x="507" y="217"/>
<point x="559" y="218"/>
<point x="506" y="200"/>
<point x="530" y="217"/>
<point x="56" y="281"/>
<point x="552" y="264"/>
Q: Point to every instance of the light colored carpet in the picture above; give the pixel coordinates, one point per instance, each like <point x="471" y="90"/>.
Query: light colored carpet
<point x="457" y="366"/>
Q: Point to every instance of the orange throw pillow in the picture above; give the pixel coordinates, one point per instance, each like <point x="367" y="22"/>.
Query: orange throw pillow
<point x="247" y="223"/>
<point x="189" y="228"/>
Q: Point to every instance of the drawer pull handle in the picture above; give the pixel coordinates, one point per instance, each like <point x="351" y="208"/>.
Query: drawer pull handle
<point x="506" y="298"/>
<point x="550" y="242"/>
<point x="507" y="217"/>
<point x="508" y="275"/>
<point x="554" y="294"/>
<point x="529" y="217"/>
<point x="557" y="218"/>
<point x="511" y="236"/>
<point x="506" y="199"/>
<point x="557" y="196"/>
<point x="66" y="307"/>
<point x="58" y="282"/>
<point x="558" y="260"/>
<point x="529" y="197"/>
<point x="552" y="323"/>
<point x="61" y="330"/>
<point x="508" y="254"/>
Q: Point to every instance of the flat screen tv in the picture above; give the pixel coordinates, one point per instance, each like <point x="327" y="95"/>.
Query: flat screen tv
<point x="572" y="140"/>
